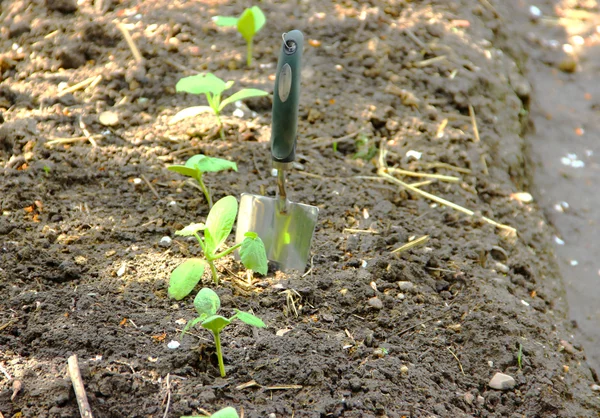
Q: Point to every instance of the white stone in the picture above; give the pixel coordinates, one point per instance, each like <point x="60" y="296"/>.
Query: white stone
<point x="502" y="381"/>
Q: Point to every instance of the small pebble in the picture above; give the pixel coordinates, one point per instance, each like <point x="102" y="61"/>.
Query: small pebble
<point x="480" y="400"/>
<point x="535" y="13"/>
<point x="595" y="388"/>
<point x="121" y="270"/>
<point x="412" y="154"/>
<point x="502" y="381"/>
<point x="238" y="113"/>
<point x="502" y="268"/>
<point x="165" y="242"/>
<point x="567" y="346"/>
<point x="558" y="241"/>
<point x="469" y="398"/>
<point x="173" y="344"/>
<point x="109" y="118"/>
<point x="405" y="286"/>
<point x="403" y="369"/>
<point x="375" y="303"/>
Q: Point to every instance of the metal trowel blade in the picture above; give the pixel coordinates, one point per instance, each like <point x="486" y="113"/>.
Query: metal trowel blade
<point x="287" y="236"/>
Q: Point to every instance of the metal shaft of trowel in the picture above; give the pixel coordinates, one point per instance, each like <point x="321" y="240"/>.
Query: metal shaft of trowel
<point x="282" y="195"/>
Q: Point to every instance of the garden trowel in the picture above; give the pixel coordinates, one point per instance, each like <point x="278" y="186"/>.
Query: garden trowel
<point x="285" y="227"/>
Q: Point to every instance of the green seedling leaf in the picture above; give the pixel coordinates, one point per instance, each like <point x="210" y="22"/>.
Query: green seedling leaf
<point x="216" y="323"/>
<point x="228" y="412"/>
<point x="241" y="95"/>
<point x="191" y="324"/>
<point x="201" y="83"/>
<point x="250" y="22"/>
<point x="248" y="318"/>
<point x="220" y="222"/>
<point x="189" y="112"/>
<point x="253" y="254"/>
<point x="181" y="169"/>
<point x="207" y="302"/>
<point x="185" y="277"/>
<point x="225" y="20"/>
<point x="251" y="234"/>
<point x="190" y="230"/>
<point x="210" y="164"/>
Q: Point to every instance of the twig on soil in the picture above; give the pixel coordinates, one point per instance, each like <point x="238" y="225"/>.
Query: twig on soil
<point x="474" y="123"/>
<point x="5" y="372"/>
<point x="421" y="183"/>
<point x="459" y="363"/>
<point x="427" y="62"/>
<point x="447" y="166"/>
<point x="168" y="396"/>
<point x="451" y="179"/>
<point x="82" y="84"/>
<point x="8" y="324"/>
<point x="57" y="140"/>
<point x="134" y="49"/>
<point x="179" y="66"/>
<point x="283" y="387"/>
<point x="440" y="130"/>
<point x="416" y="40"/>
<point x="75" y="375"/>
<point x="319" y="143"/>
<point x="310" y="269"/>
<point x="382" y="171"/>
<point x="152" y="189"/>
<point x="360" y="231"/>
<point x="412" y="244"/>
<point x="484" y="164"/>
<point x="87" y="133"/>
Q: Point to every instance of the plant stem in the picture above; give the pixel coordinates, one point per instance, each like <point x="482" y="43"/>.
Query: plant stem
<point x="220" y="124"/>
<point x="219" y="353"/>
<point x="204" y="190"/>
<point x="227" y="251"/>
<point x="249" y="53"/>
<point x="213" y="270"/>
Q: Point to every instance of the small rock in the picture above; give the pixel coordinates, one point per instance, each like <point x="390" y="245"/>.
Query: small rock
<point x="568" y="65"/>
<point x="595" y="388"/>
<point x="355" y="384"/>
<point x="165" y="242"/>
<point x="480" y="400"/>
<point x="404" y="369"/>
<point x="173" y="344"/>
<point x="502" y="268"/>
<point x="109" y="118"/>
<point x="502" y="381"/>
<point x="375" y="303"/>
<point x="469" y="398"/>
<point x="406" y="286"/>
<point x="567" y="346"/>
<point x="313" y="115"/>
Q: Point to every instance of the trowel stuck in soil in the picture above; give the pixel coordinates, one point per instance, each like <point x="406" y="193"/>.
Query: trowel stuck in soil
<point x="285" y="227"/>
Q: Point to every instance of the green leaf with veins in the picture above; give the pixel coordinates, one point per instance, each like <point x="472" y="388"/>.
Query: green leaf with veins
<point x="185" y="277"/>
<point x="220" y="222"/>
<point x="201" y="83"/>
<point x="207" y="302"/>
<point x="210" y="164"/>
<point x="216" y="323"/>
<point x="253" y="254"/>
<point x="248" y="318"/>
<point x="241" y="95"/>
<point x="190" y="230"/>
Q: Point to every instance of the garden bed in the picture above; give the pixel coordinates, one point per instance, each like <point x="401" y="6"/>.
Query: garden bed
<point x="366" y="331"/>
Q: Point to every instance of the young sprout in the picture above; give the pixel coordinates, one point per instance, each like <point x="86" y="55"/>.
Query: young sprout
<point x="212" y="87"/>
<point x="228" y="412"/>
<point x="207" y="304"/>
<point x="199" y="164"/>
<point x="216" y="230"/>
<point x="248" y="24"/>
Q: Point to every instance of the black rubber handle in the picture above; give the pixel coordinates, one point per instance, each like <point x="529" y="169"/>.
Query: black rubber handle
<point x="286" y="95"/>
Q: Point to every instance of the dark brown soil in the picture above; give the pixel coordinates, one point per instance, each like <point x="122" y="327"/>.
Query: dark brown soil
<point x="366" y="332"/>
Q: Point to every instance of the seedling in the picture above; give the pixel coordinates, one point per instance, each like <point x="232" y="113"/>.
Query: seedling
<point x="216" y="230"/>
<point x="212" y="87"/>
<point x="228" y="412"/>
<point x="207" y="304"/>
<point x="248" y="24"/>
<point x="196" y="166"/>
